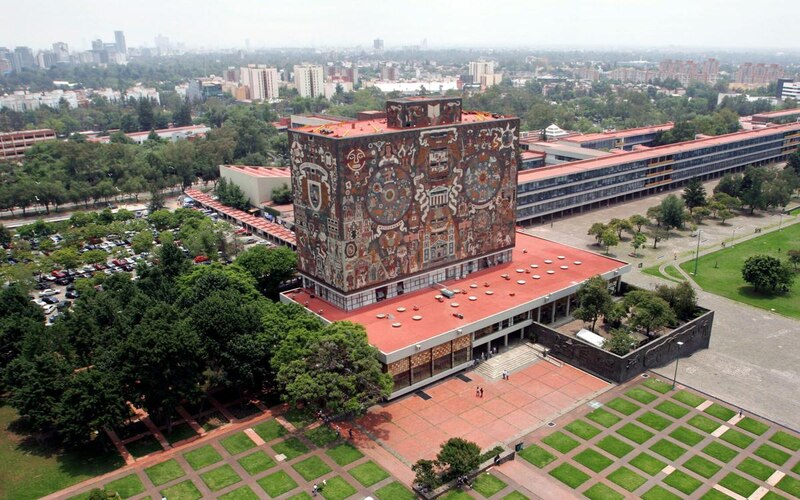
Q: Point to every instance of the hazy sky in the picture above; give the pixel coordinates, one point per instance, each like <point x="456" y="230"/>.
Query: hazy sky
<point x="763" y="24"/>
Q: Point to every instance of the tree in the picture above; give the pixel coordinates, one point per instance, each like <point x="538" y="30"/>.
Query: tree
<point x="597" y="230"/>
<point x="142" y="241"/>
<point x="694" y="194"/>
<point x="66" y="258"/>
<point x="767" y="274"/>
<point x="793" y="162"/>
<point x="146" y="114"/>
<point x="282" y="195"/>
<point x="594" y="300"/>
<point x="638" y="241"/>
<point x="639" y="221"/>
<point x="459" y="457"/>
<point x="724" y="215"/>
<point x="334" y="370"/>
<point x="681" y="298"/>
<point x="699" y="214"/>
<point x="269" y="266"/>
<point x="156" y="201"/>
<point x="94" y="256"/>
<point x="620" y="342"/>
<point x="752" y="189"/>
<point x="425" y="474"/>
<point x="183" y="115"/>
<point x="609" y="239"/>
<point x="658" y="234"/>
<point x="648" y="311"/>
<point x="672" y="209"/>
<point x="620" y="225"/>
<point x="655" y="213"/>
<point x="794" y="257"/>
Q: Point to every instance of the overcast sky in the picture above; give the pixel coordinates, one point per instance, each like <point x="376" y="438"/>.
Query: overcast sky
<point x="762" y="24"/>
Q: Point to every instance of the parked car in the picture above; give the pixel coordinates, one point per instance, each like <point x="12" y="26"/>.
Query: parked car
<point x="39" y="302"/>
<point x="64" y="304"/>
<point x="200" y="259"/>
<point x="48" y="309"/>
<point x="48" y="292"/>
<point x="72" y="294"/>
<point x="50" y="299"/>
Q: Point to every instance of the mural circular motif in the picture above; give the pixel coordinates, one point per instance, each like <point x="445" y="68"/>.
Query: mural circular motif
<point x="350" y="250"/>
<point x="390" y="195"/>
<point x="481" y="180"/>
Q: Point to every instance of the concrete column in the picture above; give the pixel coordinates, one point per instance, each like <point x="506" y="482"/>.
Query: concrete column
<point x="568" y="304"/>
<point x="553" y="312"/>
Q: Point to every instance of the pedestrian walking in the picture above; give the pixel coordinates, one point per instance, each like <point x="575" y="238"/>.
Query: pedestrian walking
<point x="314" y="490"/>
<point x="350" y="433"/>
<point x="507" y="375"/>
<point x="740" y="413"/>
<point x="481" y="391"/>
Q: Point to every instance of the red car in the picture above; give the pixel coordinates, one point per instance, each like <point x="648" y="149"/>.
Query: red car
<point x="200" y="258"/>
<point x="99" y="266"/>
<point x="118" y="262"/>
<point x="59" y="274"/>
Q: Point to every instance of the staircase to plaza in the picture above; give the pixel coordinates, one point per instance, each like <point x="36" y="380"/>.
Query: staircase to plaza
<point x="514" y="359"/>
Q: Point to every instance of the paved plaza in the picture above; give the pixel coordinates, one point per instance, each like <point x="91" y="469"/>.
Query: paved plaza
<point x="646" y="440"/>
<point x="414" y="427"/>
<point x="754" y="357"/>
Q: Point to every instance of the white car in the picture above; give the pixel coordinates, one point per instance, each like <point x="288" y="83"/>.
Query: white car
<point x="48" y="292"/>
<point x="49" y="308"/>
<point x="39" y="302"/>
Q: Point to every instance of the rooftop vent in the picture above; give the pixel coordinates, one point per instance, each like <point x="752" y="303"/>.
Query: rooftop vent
<point x="447" y="293"/>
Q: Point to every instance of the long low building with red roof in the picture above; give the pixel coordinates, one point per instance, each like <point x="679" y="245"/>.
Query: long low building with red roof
<point x="431" y="333"/>
<point x="623" y="139"/>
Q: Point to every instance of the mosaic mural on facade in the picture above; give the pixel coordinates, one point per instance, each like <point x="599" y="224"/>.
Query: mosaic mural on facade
<point x="373" y="209"/>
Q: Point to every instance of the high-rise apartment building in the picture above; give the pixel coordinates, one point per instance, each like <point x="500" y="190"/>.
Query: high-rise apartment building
<point x="389" y="72"/>
<point x="308" y="78"/>
<point x="119" y="42"/>
<point x="482" y="73"/>
<point x="758" y="74"/>
<point x="22" y="58"/>
<point x="261" y="81"/>
<point x="377" y="44"/>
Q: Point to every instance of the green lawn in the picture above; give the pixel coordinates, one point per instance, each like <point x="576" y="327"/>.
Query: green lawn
<point x="790" y="485"/>
<point x="635" y="433"/>
<point x="614" y="446"/>
<point x="298" y="418"/>
<point x="338" y="489"/>
<point x="179" y="433"/>
<point x="515" y="495"/>
<point x="322" y="435"/>
<point x="311" y="468"/>
<point x="668" y="450"/>
<point x="143" y="446"/>
<point x="736" y="438"/>
<point x="720" y="452"/>
<point x="582" y="429"/>
<point x="221" y="477"/>
<point x="738" y="484"/>
<point x="623" y="406"/>
<point x="569" y="475"/>
<point x="648" y="463"/>
<point x="686" y="436"/>
<point x="755" y="468"/>
<point x="657" y="385"/>
<point x="682" y="482"/>
<point x="654" y="421"/>
<point x="485" y="484"/>
<point x="752" y="426"/>
<point x="202" y="457"/>
<point x="705" y="424"/>
<point x="344" y="454"/>
<point x="292" y="448"/>
<point x="786" y="440"/>
<point x="277" y="484"/>
<point x="602" y="492"/>
<point x="395" y="491"/>
<point x="300" y="496"/>
<point x="164" y="472"/>
<point x="560" y="441"/>
<point x="127" y="486"/>
<point x="701" y="466"/>
<point x="592" y="460"/>
<point x="257" y="462"/>
<point x="23" y="459"/>
<point x="626" y="478"/>
<point x="456" y="495"/>
<point x="721" y="412"/>
<point x="641" y="395"/>
<point x="182" y="491"/>
<point x="237" y="443"/>
<point x="537" y="455"/>
<point x="671" y="409"/>
<point x="720" y="272"/>
<point x="688" y="398"/>
<point x="243" y="493"/>
<point x="368" y="473"/>
<point x="671" y="271"/>
<point x="796" y="468"/>
<point x="659" y="493"/>
<point x="713" y="494"/>
<point x="603" y="417"/>
<point x="654" y="271"/>
<point x="269" y="430"/>
<point x="772" y="454"/>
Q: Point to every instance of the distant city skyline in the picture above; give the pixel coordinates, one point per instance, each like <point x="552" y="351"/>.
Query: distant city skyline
<point x="601" y="24"/>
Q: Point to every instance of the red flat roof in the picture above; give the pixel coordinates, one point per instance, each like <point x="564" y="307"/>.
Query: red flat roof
<point x="628" y="132"/>
<point x="777" y="114"/>
<point x="378" y="126"/>
<point x="500" y="295"/>
<point x="616" y="159"/>
<point x="261" y="171"/>
<point x="276" y="230"/>
<point x="526" y="155"/>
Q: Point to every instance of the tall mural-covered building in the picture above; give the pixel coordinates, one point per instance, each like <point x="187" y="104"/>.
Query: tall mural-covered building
<point x="387" y="206"/>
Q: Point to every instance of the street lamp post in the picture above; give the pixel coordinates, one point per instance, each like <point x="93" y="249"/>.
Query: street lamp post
<point x="677" y="358"/>
<point x="733" y="236"/>
<point x="697" y="251"/>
